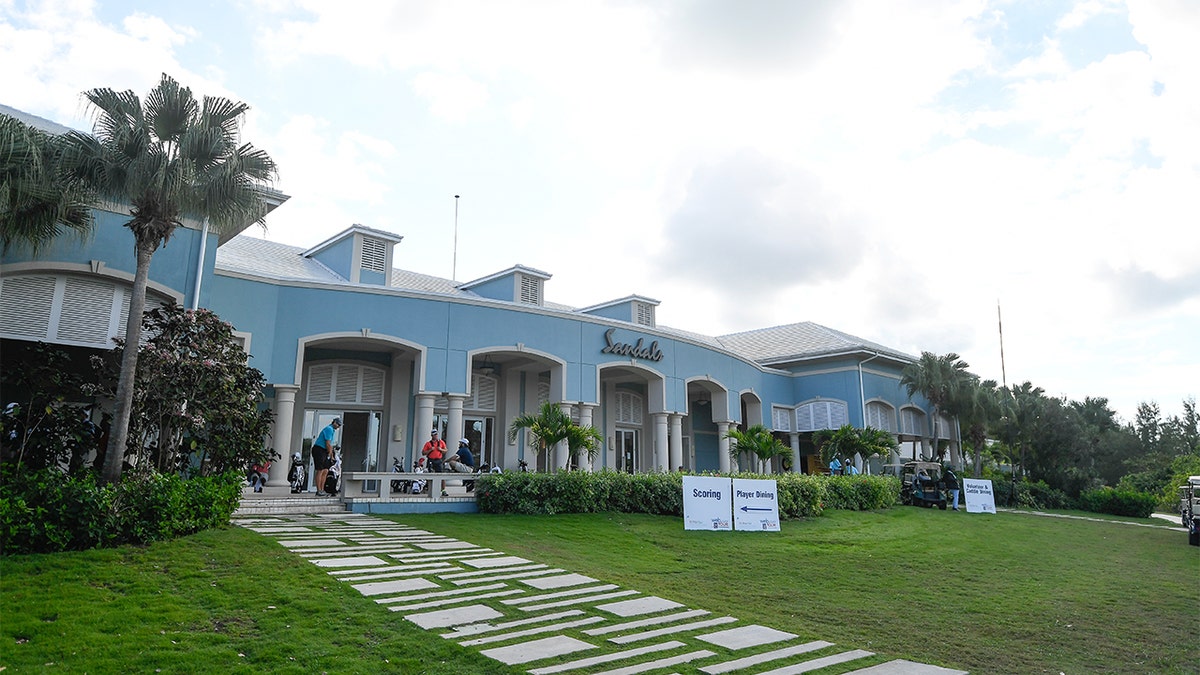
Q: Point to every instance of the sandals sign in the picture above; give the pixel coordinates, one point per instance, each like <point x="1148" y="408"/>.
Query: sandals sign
<point x="637" y="351"/>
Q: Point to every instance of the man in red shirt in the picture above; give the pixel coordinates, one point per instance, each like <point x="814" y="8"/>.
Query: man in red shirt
<point x="434" y="451"/>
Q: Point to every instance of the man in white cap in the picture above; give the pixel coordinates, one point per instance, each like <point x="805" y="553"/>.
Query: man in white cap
<point x="465" y="457"/>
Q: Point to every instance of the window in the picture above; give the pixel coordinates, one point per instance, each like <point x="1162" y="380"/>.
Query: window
<point x="644" y="314"/>
<point x="531" y="290"/>
<point x="629" y="408"/>
<point x="67" y="309"/>
<point x="345" y="383"/>
<point x="781" y="418"/>
<point x="821" y="415"/>
<point x="912" y="422"/>
<point x="374" y="255"/>
<point x="879" y="416"/>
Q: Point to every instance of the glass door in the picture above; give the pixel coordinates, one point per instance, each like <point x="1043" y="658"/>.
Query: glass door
<point x="628" y="446"/>
<point x="478" y="431"/>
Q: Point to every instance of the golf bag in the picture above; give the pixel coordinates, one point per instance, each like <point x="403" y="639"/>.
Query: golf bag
<point x="297" y="475"/>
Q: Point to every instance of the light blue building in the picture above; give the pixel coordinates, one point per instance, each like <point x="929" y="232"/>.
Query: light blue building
<point x="340" y="332"/>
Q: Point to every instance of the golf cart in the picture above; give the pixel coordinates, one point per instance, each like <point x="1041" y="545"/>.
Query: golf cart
<point x="1189" y="508"/>
<point x="921" y="485"/>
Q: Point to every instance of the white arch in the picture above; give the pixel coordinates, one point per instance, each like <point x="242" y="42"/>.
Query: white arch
<point x="720" y="395"/>
<point x="98" y="269"/>
<point x="318" y="338"/>
<point x="656" y="389"/>
<point x="558" y="371"/>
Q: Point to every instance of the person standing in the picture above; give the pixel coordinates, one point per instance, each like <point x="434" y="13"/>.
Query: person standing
<point x="434" y="451"/>
<point x="322" y="452"/>
<point x="950" y="482"/>
<point x="835" y="467"/>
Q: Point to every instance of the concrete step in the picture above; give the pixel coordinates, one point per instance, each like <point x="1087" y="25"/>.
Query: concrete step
<point x="257" y="505"/>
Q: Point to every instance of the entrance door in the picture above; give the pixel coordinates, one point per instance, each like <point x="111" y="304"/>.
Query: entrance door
<point x="478" y="431"/>
<point x="628" y="446"/>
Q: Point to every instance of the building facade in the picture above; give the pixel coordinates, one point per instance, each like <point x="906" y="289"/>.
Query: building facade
<point x="340" y="332"/>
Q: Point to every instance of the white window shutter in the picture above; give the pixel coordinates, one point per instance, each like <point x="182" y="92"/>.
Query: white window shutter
<point x="25" y="305"/>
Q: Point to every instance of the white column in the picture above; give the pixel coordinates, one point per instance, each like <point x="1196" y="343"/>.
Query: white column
<point x="660" y="442"/>
<point x="723" y="446"/>
<point x="285" y="410"/>
<point x="794" y="440"/>
<point x="676" y="443"/>
<point x="560" y="455"/>
<point x="454" y="425"/>
<point x="420" y="433"/>
<point x="585" y="420"/>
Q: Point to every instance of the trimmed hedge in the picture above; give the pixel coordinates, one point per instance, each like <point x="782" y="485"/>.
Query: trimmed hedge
<point x="48" y="511"/>
<point x="799" y="495"/>
<point x="1118" y="502"/>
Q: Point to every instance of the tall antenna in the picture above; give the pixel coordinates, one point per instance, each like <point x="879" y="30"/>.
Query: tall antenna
<point x="454" y="266"/>
<point x="1000" y="325"/>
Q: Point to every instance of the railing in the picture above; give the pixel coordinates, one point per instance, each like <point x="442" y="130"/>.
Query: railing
<point x="354" y="483"/>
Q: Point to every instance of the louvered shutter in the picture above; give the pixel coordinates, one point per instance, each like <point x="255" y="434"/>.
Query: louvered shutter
<point x="484" y="390"/>
<point x="320" y="384"/>
<point x="86" y="310"/>
<point x="804" y="417"/>
<point x="25" y="306"/>
<point x="372" y="386"/>
<point x="781" y="418"/>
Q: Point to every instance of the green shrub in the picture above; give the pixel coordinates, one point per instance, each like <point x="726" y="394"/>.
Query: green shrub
<point x="799" y="495"/>
<point x="1029" y="495"/>
<point x="48" y="511"/>
<point x="1118" y="502"/>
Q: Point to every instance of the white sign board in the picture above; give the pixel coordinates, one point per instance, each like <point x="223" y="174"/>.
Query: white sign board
<point x="707" y="503"/>
<point x="755" y="505"/>
<point x="979" y="496"/>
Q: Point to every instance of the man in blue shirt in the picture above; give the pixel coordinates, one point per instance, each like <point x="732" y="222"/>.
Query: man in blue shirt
<point x="322" y="453"/>
<point x="465" y="456"/>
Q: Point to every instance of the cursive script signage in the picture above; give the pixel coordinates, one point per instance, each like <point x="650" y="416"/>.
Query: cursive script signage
<point x="637" y="351"/>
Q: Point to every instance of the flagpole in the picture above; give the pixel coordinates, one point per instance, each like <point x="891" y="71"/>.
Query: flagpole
<point x="1000" y="325"/>
<point x="454" y="265"/>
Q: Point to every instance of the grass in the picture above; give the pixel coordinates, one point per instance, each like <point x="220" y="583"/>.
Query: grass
<point x="222" y="601"/>
<point x="1010" y="593"/>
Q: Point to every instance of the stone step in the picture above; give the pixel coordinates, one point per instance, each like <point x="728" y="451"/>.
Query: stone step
<point x="299" y="504"/>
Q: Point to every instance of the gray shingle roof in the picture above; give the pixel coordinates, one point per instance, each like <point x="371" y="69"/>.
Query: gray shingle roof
<point x="769" y="346"/>
<point x="261" y="257"/>
<point x="799" y="341"/>
<point x="34" y="121"/>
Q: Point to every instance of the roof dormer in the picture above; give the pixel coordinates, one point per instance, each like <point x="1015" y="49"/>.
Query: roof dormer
<point x="519" y="284"/>
<point x="634" y="309"/>
<point x="360" y="255"/>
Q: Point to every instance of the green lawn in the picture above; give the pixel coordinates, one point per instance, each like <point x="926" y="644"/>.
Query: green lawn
<point x="1010" y="593"/>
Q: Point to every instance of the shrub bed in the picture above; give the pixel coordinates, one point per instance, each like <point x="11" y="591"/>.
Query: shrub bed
<point x="1118" y="502"/>
<point x="799" y="495"/>
<point x="48" y="511"/>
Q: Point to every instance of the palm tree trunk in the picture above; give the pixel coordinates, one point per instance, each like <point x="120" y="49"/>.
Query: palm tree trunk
<point x="115" y="458"/>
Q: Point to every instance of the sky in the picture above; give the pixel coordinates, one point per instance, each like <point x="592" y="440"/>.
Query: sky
<point x="907" y="171"/>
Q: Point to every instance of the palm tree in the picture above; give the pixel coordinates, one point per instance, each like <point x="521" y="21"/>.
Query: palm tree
<point x="848" y="440"/>
<point x="167" y="158"/>
<point x="757" y="440"/>
<point x="938" y="379"/>
<point x="550" y="426"/>
<point x="978" y="408"/>
<point x="38" y="196"/>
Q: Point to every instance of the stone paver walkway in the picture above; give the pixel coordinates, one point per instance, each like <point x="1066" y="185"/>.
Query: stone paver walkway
<point x="523" y="613"/>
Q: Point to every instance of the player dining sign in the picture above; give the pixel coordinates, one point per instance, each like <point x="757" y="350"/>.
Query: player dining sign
<point x="713" y="503"/>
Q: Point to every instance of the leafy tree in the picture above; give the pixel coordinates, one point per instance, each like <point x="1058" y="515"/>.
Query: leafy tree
<point x="757" y="440"/>
<point x="43" y="425"/>
<point x="848" y="440"/>
<point x="168" y="158"/>
<point x="39" y="198"/>
<point x="550" y="426"/>
<point x="198" y="406"/>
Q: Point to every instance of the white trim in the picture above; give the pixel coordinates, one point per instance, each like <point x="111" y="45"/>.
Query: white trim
<point x="307" y="340"/>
